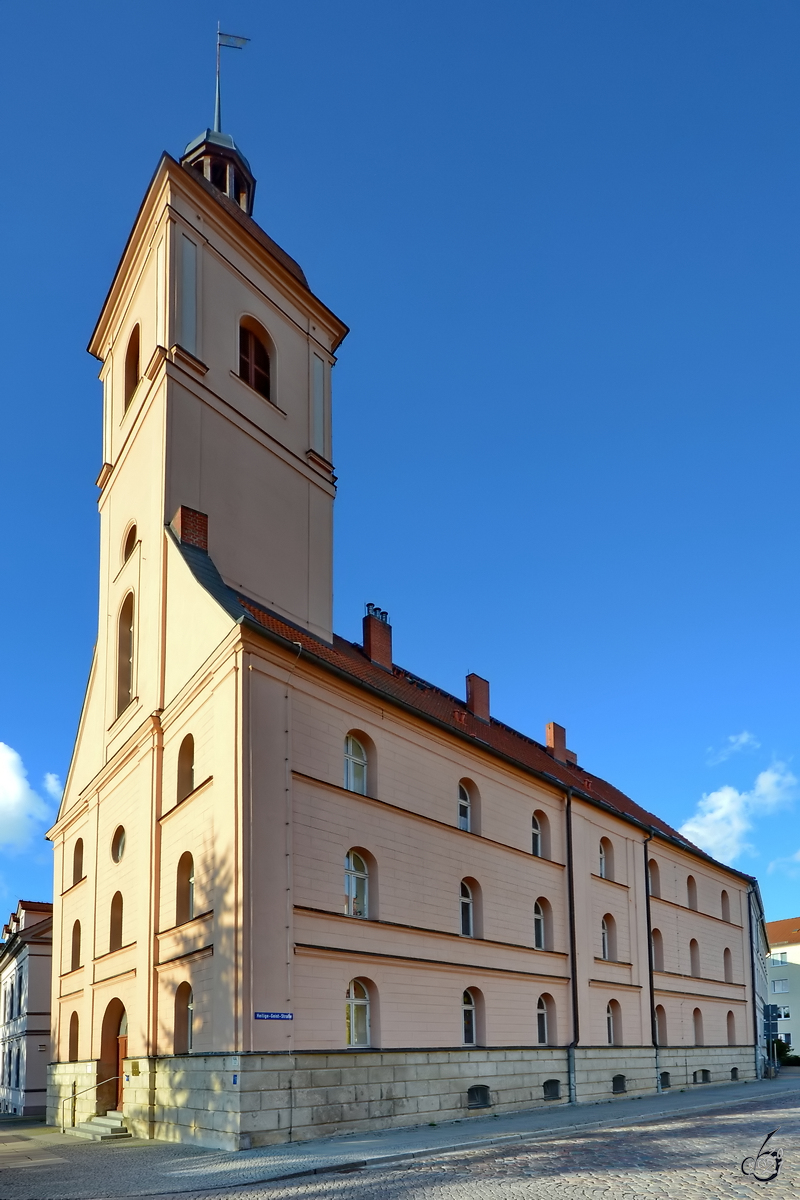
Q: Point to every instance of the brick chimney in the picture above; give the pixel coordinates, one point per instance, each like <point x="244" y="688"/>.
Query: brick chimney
<point x="478" y="697"/>
<point x="557" y="744"/>
<point x="191" y="527"/>
<point x="378" y="637"/>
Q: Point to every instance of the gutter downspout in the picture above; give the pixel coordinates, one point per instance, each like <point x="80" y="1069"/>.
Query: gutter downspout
<point x="653" y="1022"/>
<point x="573" y="1098"/>
<point x="753" y="977"/>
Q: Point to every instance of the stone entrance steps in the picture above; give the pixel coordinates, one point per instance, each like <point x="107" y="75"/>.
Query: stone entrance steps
<point x="110" y="1128"/>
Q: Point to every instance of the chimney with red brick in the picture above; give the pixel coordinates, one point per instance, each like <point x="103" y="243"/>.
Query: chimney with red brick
<point x="378" y="637"/>
<point x="191" y="527"/>
<point x="478" y="697"/>
<point x="557" y="744"/>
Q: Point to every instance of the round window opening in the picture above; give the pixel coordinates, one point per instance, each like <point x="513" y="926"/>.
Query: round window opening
<point x="118" y="844"/>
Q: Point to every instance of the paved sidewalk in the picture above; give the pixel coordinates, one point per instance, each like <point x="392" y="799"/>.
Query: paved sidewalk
<point x="38" y="1162"/>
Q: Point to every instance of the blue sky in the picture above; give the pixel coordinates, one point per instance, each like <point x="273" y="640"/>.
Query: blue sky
<point x="565" y="236"/>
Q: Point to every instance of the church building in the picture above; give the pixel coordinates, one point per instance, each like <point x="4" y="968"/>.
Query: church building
<point x="298" y="889"/>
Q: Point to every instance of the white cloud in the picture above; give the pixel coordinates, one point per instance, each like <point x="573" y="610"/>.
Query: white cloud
<point x="725" y="817"/>
<point x="22" y="810"/>
<point x="53" y="786"/>
<point x="732" y="745"/>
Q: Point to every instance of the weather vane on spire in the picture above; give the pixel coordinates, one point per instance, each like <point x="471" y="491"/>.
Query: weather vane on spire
<point x="233" y="42"/>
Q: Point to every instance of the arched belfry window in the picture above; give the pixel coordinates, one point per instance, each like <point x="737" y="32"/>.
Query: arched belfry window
<point x="185" y="768"/>
<point x="125" y="654"/>
<point x="254" y="357"/>
<point x="184" y="893"/>
<point x="115" y="923"/>
<point x="77" y="862"/>
<point x="132" y="365"/>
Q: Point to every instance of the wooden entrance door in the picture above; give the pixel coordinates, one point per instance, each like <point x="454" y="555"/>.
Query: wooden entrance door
<point x="122" y="1053"/>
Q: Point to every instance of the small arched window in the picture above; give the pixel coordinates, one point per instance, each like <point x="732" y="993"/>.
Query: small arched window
<point x="464" y="809"/>
<point x="356" y="885"/>
<point x="691" y="892"/>
<point x="661" y="1025"/>
<point x="77" y="862"/>
<point x="355" y="765"/>
<point x="545" y="1021"/>
<point x="357" y="1014"/>
<point x="75" y="959"/>
<point x="468" y="1019"/>
<point x="608" y="938"/>
<point x="694" y="958"/>
<point x="118" y="843"/>
<point x="654" y="878"/>
<point x="725" y="903"/>
<point x="697" y="1019"/>
<point x="614" y="1023"/>
<point x="467" y="912"/>
<point x="115" y="923"/>
<point x="606" y="859"/>
<point x="184" y="893"/>
<point x="185" y="768"/>
<point x="184" y="1018"/>
<point x="731" y="1027"/>
<point x="125" y="654"/>
<point x="74" y="1028"/>
<point x="727" y="965"/>
<point x="540" y="835"/>
<point x="254" y="358"/>
<point x="132" y="368"/>
<point x="658" y="950"/>
<point x="538" y="926"/>
<point x="130" y="543"/>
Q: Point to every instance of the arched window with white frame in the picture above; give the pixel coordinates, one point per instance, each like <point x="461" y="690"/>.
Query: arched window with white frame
<point x="357" y="1014"/>
<point x="606" y="859"/>
<point x="467" y="910"/>
<point x="545" y="1021"/>
<point x="468" y="1019"/>
<point x="614" y="1023"/>
<point x="355" y="765"/>
<point x="356" y="885"/>
<point x="254" y="357"/>
<point x="536" y="837"/>
<point x="464" y="809"/>
<point x="608" y="938"/>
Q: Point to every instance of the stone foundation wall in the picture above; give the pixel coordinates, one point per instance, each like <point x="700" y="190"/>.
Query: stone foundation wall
<point x="60" y="1078"/>
<point x="233" y="1102"/>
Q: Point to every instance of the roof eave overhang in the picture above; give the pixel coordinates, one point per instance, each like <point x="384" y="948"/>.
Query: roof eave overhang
<point x="543" y="776"/>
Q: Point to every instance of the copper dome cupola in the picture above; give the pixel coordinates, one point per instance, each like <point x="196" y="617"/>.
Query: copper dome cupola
<point x="215" y="156"/>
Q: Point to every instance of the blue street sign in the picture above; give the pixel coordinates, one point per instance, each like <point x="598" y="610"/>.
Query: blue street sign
<point x="273" y="1016"/>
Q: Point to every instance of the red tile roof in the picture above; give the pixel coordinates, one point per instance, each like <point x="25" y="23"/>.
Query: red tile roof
<point x="349" y="659"/>
<point x="784" y="933"/>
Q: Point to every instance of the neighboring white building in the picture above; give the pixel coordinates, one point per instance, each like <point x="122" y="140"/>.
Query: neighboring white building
<point x="25" y="970"/>
<point x="784" y="977"/>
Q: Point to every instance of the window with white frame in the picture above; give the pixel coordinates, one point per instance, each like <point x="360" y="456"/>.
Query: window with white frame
<point x="538" y="926"/>
<point x="536" y="838"/>
<point x="355" y="885"/>
<point x="355" y="765"/>
<point x="463" y="808"/>
<point x="780" y="985"/>
<point x="783" y="1012"/>
<point x="541" y="1021"/>
<point x="780" y="957"/>
<point x="466" y="909"/>
<point x="468" y="1018"/>
<point x="602" y="861"/>
<point x="357" y="1014"/>
<point x="610" y="1025"/>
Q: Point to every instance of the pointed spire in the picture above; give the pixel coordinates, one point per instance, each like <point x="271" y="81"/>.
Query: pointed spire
<point x="217" y="104"/>
<point x="234" y="42"/>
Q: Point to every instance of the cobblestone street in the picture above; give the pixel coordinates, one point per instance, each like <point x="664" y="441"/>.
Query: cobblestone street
<point x="625" y="1152"/>
<point x="680" y="1158"/>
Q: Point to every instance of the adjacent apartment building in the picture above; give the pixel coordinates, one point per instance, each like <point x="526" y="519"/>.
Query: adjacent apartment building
<point x="25" y="968"/>
<point x="784" y="977"/>
<point x="298" y="888"/>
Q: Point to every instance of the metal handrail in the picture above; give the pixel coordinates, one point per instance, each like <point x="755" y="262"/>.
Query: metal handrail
<point x="75" y="1095"/>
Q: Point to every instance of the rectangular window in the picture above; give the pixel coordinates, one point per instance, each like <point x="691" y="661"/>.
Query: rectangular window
<point x="188" y="295"/>
<point x="780" y="985"/>
<point x="783" y="1012"/>
<point x="318" y="407"/>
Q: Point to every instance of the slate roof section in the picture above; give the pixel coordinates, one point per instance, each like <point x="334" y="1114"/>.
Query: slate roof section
<point x="428" y="701"/>
<point x="784" y="933"/>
